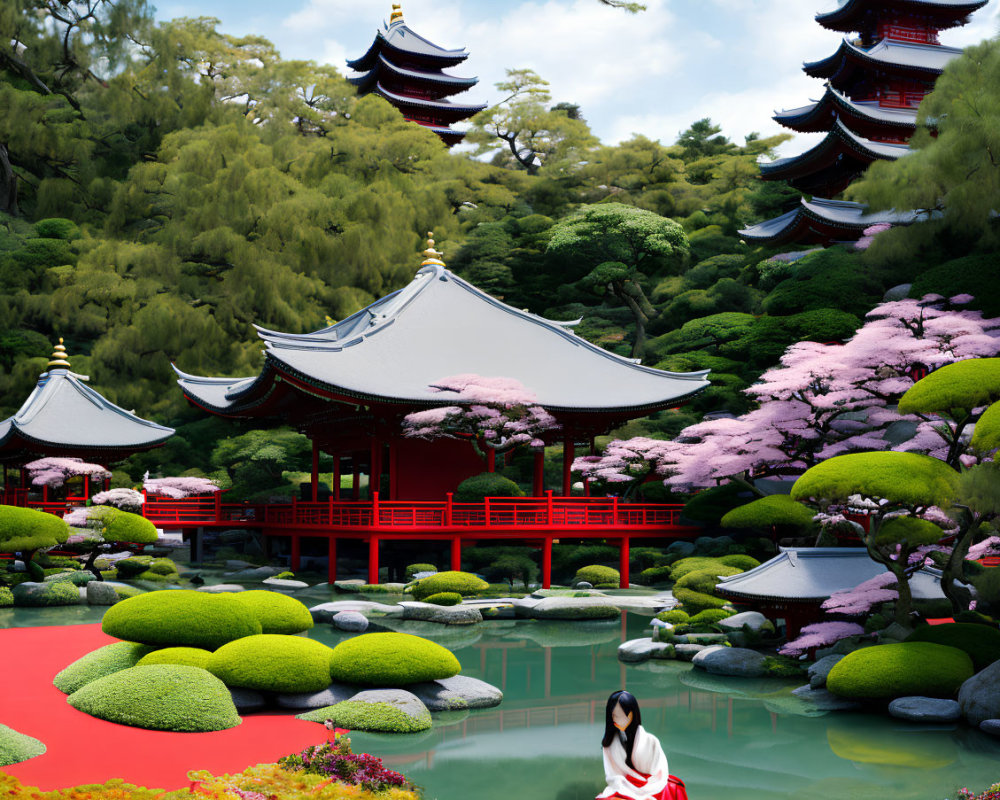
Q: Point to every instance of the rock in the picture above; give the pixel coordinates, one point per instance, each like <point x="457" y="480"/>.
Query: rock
<point x="459" y="692"/>
<point x="819" y="670"/>
<point x="700" y="656"/>
<point x="325" y="612"/>
<point x="399" y="699"/>
<point x="925" y="709"/>
<point x="979" y="697"/>
<point x="353" y="621"/>
<point x="444" y="615"/>
<point x="286" y="583"/>
<point x="524" y="606"/>
<point x="348" y="587"/>
<point x="306" y="701"/>
<point x="60" y="593"/>
<point x="898" y="292"/>
<point x="638" y="650"/>
<point x="752" y="620"/>
<point x="894" y="633"/>
<point x="990" y="726"/>
<point x="683" y="549"/>
<point x="824" y="700"/>
<point x="493" y="609"/>
<point x="700" y="638"/>
<point x="255" y="574"/>
<point x="575" y="608"/>
<point x="100" y="593"/>
<point x="220" y="588"/>
<point x="584" y="585"/>
<point x="19" y="566"/>
<point x="686" y="652"/>
<point x="248" y="700"/>
<point x="737" y="662"/>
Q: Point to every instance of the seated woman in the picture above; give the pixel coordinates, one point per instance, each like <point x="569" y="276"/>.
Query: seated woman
<point x="634" y="765"/>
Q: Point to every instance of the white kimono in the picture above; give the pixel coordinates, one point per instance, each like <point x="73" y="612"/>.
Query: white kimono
<point x="647" y="780"/>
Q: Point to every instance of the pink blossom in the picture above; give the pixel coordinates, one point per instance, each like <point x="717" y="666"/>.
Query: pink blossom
<point x="127" y="499"/>
<point x="820" y="634"/>
<point x="54" y="471"/>
<point x="988" y="547"/>
<point x="863" y="597"/>
<point x="180" y="487"/>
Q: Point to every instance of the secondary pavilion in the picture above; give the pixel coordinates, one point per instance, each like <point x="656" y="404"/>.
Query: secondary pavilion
<point x="873" y="85"/>
<point x="407" y="70"/>
<point x="64" y="417"/>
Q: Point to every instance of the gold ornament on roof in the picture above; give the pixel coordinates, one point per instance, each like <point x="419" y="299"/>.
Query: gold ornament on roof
<point x="58" y="357"/>
<point x="432" y="257"/>
<point x="397" y="14"/>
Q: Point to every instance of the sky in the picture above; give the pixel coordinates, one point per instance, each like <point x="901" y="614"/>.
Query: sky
<point x="653" y="73"/>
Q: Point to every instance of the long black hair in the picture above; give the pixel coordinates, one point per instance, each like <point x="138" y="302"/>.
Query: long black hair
<point x="627" y="737"/>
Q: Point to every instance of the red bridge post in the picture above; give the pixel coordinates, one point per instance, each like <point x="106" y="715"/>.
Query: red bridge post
<point x="456" y="553"/>
<point x="547" y="562"/>
<point x="623" y="579"/>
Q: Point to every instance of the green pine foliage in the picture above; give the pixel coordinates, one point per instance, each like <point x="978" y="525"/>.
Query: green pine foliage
<point x="391" y="659"/>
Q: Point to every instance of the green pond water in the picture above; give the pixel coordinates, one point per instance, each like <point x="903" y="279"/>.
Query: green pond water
<point x="726" y="737"/>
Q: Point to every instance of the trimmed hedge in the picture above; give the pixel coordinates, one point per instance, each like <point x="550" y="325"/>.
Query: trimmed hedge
<point x="740" y="561"/>
<point x="655" y="575"/>
<point x="982" y="643"/>
<point x="391" y="659"/>
<point x="273" y="663"/>
<point x="444" y="599"/>
<point x="181" y="618"/>
<point x="185" y="656"/>
<point x="695" y="589"/>
<point x="6" y="597"/>
<point x="162" y="697"/>
<point x="886" y="671"/>
<point x="98" y="663"/>
<point x="374" y="717"/>
<point x="486" y="484"/>
<point x="595" y="575"/>
<point x="413" y="569"/>
<point x="16" y="747"/>
<point x="675" y="616"/>
<point x="276" y="612"/>
<point x="464" y="583"/>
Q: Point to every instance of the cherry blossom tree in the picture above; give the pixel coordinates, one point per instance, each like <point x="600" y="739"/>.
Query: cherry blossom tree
<point x="820" y="634"/>
<point x="125" y="499"/>
<point x="54" y="472"/>
<point x="495" y="414"/>
<point x="623" y="463"/>
<point x="96" y="528"/>
<point x="178" y="488"/>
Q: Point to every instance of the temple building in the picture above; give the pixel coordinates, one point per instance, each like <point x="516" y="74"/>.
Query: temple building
<point x="407" y="70"/>
<point x="874" y="83"/>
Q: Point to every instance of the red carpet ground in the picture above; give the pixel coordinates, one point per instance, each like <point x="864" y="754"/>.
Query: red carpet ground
<point x="83" y="749"/>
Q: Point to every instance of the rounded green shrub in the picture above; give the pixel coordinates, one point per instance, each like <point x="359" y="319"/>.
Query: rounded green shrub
<point x="981" y="642"/>
<point x="6" y="597"/>
<point x="58" y="593"/>
<point x="185" y="656"/>
<point x="696" y="589"/>
<point x="276" y="612"/>
<point x="163" y="566"/>
<point x="17" y="747"/>
<point x="391" y="659"/>
<point x="273" y="663"/>
<point x="710" y="616"/>
<point x="157" y="577"/>
<point x="444" y="599"/>
<point x="464" y="583"/>
<point x="181" y="618"/>
<point x="596" y="575"/>
<point x="675" y="616"/>
<point x="372" y="717"/>
<point x="77" y="578"/>
<point x="24" y="529"/>
<point x="487" y="484"/>
<point x="130" y="567"/>
<point x="164" y="697"/>
<point x="887" y="671"/>
<point x="98" y="663"/>
<point x="740" y="561"/>
<point x="124" y="526"/>
<point x="413" y="569"/>
<point x="693" y="564"/>
<point x="655" y="575"/>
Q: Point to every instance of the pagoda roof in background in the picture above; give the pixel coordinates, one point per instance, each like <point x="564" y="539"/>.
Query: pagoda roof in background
<point x="813" y="574"/>
<point x="925" y="61"/>
<point x="438" y="326"/>
<point x="398" y="39"/>
<point x="862" y="118"/>
<point x="65" y="417"/>
<point x="439" y="81"/>
<point x="820" y="221"/>
<point x="850" y="14"/>
<point x="445" y="110"/>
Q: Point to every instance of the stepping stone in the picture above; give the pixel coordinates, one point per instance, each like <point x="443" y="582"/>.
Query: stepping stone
<point x="445" y="615"/>
<point x="457" y="693"/>
<point x="352" y="621"/>
<point x="306" y="701"/>
<point x="925" y="709"/>
<point x="636" y="651"/>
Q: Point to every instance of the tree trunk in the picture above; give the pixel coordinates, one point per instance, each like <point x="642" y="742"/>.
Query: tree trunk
<point x="905" y="601"/>
<point x="639" y="345"/>
<point x="953" y="569"/>
<point x="8" y="183"/>
<point x="90" y="564"/>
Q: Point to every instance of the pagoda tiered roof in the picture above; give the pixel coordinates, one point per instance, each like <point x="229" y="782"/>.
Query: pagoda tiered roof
<point x="437" y="85"/>
<point x="899" y="59"/>
<point x="856" y="15"/>
<point x="403" y="46"/>
<point x="830" y="166"/>
<point x="820" y="221"/>
<point x="64" y="417"/>
<point x="867" y="118"/>
<point x="393" y="351"/>
<point x="441" y="109"/>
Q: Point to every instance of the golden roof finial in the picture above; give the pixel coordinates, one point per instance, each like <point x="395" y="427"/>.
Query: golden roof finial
<point x="397" y="14"/>
<point x="58" y="357"/>
<point x="432" y="257"/>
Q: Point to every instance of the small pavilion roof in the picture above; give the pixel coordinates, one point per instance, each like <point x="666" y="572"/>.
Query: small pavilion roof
<point x="903" y="58"/>
<point x="946" y="13"/>
<point x="436" y="327"/>
<point x="812" y="574"/>
<point x="397" y="40"/>
<point x="440" y="81"/>
<point x="63" y="416"/>
<point x="862" y="118"/>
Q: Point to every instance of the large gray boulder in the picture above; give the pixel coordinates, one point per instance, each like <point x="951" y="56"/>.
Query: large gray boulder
<point x="701" y="656"/>
<point x="635" y="651"/>
<point x="254" y="574"/>
<point x="247" y="700"/>
<point x="683" y="549"/>
<point x="990" y="726"/>
<point x="687" y="652"/>
<point x="524" y="606"/>
<point x="819" y="671"/>
<point x="443" y="615"/>
<point x="924" y="709"/>
<point x="573" y="608"/>
<point x="737" y="662"/>
<point x="60" y="593"/>
<point x="351" y="621"/>
<point x="457" y="693"/>
<point x="400" y="699"/>
<point x="100" y="593"/>
<point x="979" y="697"/>
<point x="752" y="620"/>
<point x="305" y="701"/>
<point x="286" y="583"/>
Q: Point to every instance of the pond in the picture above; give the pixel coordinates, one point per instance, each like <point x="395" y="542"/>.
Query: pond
<point x="725" y="737"/>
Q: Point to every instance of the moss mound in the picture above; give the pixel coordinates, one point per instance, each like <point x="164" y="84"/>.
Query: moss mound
<point x="486" y="484"/>
<point x="675" y="616"/>
<point x="653" y="575"/>
<point x="277" y="613"/>
<point x="184" y="656"/>
<point x="17" y="747"/>
<point x="391" y="659"/>
<point x="740" y="561"/>
<point x="444" y="599"/>
<point x="981" y="642"/>
<point x="53" y="593"/>
<point x="695" y="563"/>
<point x="98" y="663"/>
<point x="887" y="671"/>
<point x="273" y="663"/>
<point x="597" y="575"/>
<point x="373" y="717"/>
<point x="181" y="618"/>
<point x="133" y="566"/>
<point x="695" y="590"/>
<point x="464" y="583"/>
<point x="710" y="616"/>
<point x="413" y="569"/>
<point x="160" y="697"/>
<point x="6" y="597"/>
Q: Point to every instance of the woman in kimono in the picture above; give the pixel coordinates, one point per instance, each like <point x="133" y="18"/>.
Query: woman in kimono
<point x="634" y="765"/>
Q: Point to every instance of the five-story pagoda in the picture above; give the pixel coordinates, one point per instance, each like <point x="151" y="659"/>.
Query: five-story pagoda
<point x="874" y="83"/>
<point x="407" y="70"/>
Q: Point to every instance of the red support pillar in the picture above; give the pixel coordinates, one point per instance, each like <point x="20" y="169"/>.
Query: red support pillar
<point x="335" y="482"/>
<point x="296" y="559"/>
<point x="86" y="487"/>
<point x="374" y="467"/>
<point x="491" y="459"/>
<point x="538" y="481"/>
<point x="373" y="560"/>
<point x="623" y="564"/>
<point x="356" y="480"/>
<point x="314" y="477"/>
<point x="569" y="449"/>
<point x="45" y="493"/>
<point x="547" y="562"/>
<point x="456" y="553"/>
<point x="331" y="566"/>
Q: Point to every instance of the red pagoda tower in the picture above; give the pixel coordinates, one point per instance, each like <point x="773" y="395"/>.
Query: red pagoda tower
<point x="874" y="84"/>
<point x="406" y="69"/>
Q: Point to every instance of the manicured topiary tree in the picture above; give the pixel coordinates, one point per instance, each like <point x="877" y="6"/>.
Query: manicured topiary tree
<point x="273" y="663"/>
<point x="164" y="697"/>
<point x="886" y="671"/>
<point x="25" y="531"/>
<point x="981" y="642"/>
<point x="465" y="583"/>
<point x="181" y="618"/>
<point x="105" y="525"/>
<point x="98" y="663"/>
<point x="277" y="613"/>
<point x="391" y="659"/>
<point x="597" y="575"/>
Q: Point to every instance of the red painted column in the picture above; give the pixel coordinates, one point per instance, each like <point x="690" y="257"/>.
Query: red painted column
<point x="356" y="485"/>
<point x="335" y="482"/>
<point x="491" y="460"/>
<point x="373" y="560"/>
<point x="314" y="477"/>
<point x="623" y="564"/>
<point x="456" y="553"/>
<point x="331" y="567"/>
<point x="296" y="558"/>
<point x="374" y="468"/>
<point x="538" y="480"/>
<point x="547" y="562"/>
<point x="569" y="450"/>
<point x="86" y="487"/>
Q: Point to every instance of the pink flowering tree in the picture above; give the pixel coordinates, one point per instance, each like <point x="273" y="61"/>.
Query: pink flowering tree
<point x="495" y="414"/>
<point x="97" y="528"/>
<point x="54" y="472"/>
<point x="178" y="488"/>
<point x="820" y="634"/>
<point x="625" y="465"/>
<point x="122" y="498"/>
<point x="868" y="235"/>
